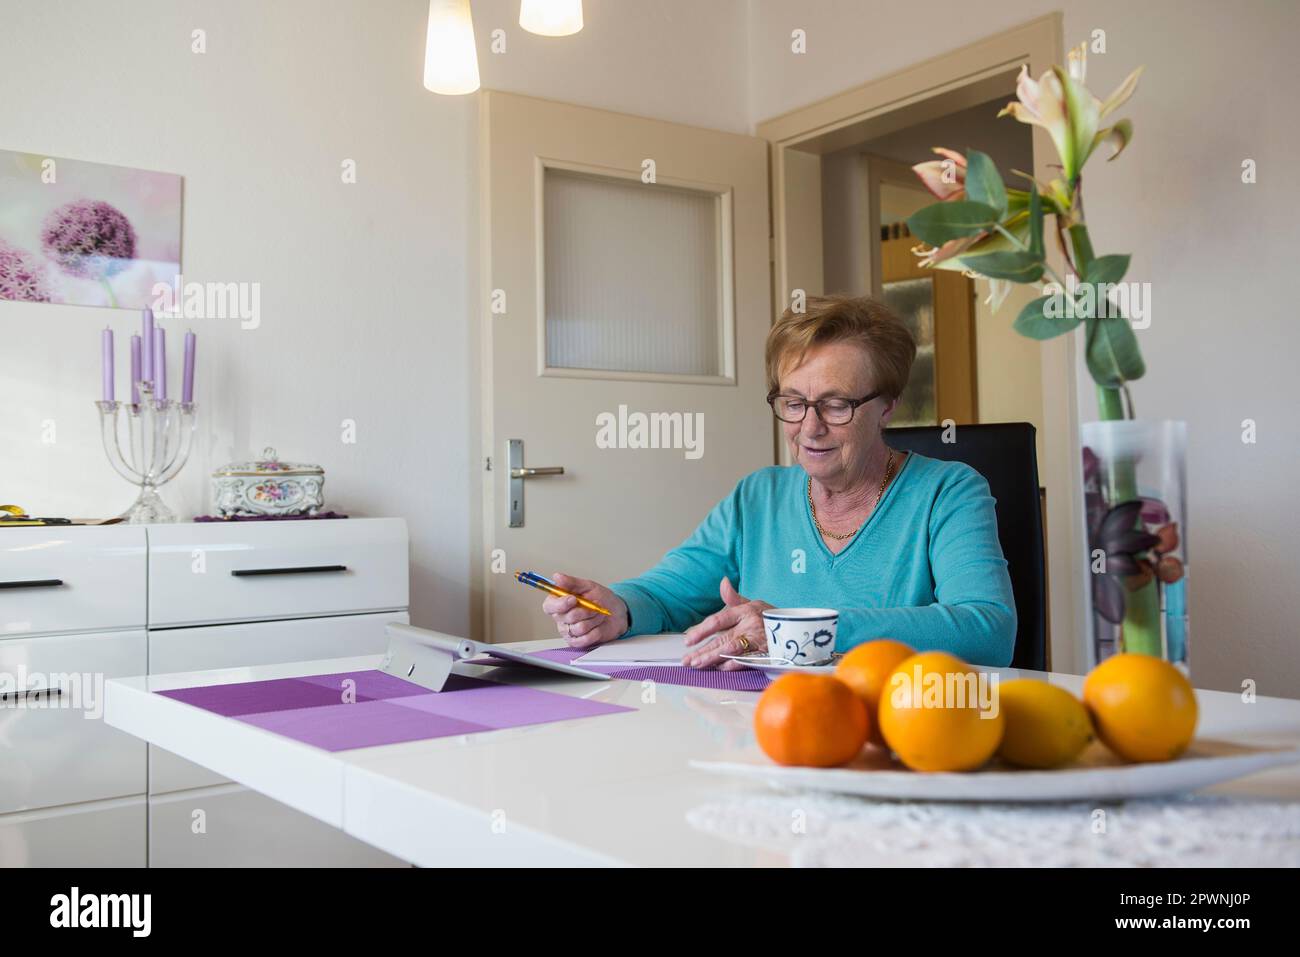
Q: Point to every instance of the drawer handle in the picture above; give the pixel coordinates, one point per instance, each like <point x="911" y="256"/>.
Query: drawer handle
<point x="300" y="570"/>
<point x="35" y="583"/>
<point x="30" y="693"/>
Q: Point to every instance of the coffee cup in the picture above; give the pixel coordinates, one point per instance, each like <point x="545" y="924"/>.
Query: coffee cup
<point x="801" y="636"/>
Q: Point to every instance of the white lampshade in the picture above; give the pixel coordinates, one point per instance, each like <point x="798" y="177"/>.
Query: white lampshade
<point x="551" y="18"/>
<point x="450" y="57"/>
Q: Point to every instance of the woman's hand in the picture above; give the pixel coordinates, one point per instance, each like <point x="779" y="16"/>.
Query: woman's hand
<point x="721" y="633"/>
<point x="580" y="627"/>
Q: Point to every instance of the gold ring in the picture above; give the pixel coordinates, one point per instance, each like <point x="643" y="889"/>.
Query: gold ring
<point x="744" y="644"/>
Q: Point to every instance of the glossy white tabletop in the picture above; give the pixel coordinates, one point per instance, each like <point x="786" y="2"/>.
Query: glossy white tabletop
<point x="612" y="789"/>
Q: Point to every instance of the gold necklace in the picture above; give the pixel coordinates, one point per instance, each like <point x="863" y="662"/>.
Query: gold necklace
<point x="889" y="472"/>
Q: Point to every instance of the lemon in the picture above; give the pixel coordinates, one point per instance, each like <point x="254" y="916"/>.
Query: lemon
<point x="1046" y="726"/>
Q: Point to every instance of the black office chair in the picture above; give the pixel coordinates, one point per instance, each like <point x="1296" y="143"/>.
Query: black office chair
<point x="1005" y="455"/>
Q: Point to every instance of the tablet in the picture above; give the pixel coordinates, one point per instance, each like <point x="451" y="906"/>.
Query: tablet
<point x="426" y="657"/>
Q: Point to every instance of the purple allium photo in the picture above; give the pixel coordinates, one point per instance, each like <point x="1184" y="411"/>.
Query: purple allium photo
<point x="98" y="235"/>
<point x="89" y="239"/>
<point x="22" y="275"/>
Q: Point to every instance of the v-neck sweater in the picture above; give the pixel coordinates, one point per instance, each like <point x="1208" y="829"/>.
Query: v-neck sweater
<point x="925" y="569"/>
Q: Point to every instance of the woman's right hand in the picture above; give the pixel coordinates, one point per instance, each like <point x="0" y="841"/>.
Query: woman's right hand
<point x="580" y="627"/>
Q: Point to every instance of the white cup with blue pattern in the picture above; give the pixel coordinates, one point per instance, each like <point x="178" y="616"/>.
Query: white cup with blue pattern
<point x="801" y="636"/>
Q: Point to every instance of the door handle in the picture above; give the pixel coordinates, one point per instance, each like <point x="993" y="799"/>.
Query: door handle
<point x="519" y="472"/>
<point x="35" y="583"/>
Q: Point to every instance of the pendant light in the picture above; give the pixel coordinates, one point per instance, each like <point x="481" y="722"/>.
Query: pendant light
<point x="551" y="18"/>
<point x="450" y="55"/>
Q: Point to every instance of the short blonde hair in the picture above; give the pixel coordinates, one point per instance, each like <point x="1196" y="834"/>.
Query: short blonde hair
<point x="861" y="320"/>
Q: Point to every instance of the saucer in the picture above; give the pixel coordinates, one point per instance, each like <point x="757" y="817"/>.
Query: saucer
<point x="777" y="666"/>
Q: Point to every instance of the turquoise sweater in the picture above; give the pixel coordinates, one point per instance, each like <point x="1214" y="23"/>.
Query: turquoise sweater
<point x="926" y="569"/>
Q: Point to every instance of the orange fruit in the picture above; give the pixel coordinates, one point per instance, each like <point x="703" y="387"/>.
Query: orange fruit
<point x="1143" y="707"/>
<point x="866" y="668"/>
<point x="810" y="720"/>
<point x="930" y="714"/>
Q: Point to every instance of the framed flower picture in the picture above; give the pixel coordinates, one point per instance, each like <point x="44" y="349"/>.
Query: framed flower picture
<point x="86" y="234"/>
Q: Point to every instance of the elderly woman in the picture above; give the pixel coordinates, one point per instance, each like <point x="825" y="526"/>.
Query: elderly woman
<point x="904" y="546"/>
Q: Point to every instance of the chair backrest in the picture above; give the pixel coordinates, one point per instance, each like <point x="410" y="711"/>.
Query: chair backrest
<point x="1004" y="453"/>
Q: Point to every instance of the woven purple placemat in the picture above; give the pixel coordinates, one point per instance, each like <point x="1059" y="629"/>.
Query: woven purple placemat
<point x="362" y="709"/>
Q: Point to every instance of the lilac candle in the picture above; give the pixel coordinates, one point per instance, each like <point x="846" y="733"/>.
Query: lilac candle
<point x="135" y="370"/>
<point x="106" y="341"/>
<point x="160" y="365"/>
<point x="147" y="336"/>
<point x="187" y="380"/>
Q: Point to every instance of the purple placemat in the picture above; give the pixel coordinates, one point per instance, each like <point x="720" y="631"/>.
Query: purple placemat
<point x="382" y="709"/>
<point x="746" y="680"/>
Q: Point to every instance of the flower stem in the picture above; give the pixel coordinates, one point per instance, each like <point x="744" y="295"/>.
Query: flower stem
<point x="1110" y="403"/>
<point x="1141" y="628"/>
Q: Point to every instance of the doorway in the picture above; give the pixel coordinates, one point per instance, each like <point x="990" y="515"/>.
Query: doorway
<point x="832" y="229"/>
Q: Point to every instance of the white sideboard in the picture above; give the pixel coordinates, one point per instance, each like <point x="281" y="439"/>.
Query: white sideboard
<point x="79" y="605"/>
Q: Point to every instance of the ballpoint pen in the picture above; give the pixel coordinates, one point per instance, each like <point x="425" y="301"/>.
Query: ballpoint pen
<point x="548" y="586"/>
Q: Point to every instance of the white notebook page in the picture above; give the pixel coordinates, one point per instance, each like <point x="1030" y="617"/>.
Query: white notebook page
<point x="666" y="649"/>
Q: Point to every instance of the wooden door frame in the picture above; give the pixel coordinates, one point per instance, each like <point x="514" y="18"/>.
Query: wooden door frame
<point x="936" y="87"/>
<point x="881" y="169"/>
<point x="956" y="387"/>
<point x="956" y="384"/>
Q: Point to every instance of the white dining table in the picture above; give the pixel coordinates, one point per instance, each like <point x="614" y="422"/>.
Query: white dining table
<point x="615" y="789"/>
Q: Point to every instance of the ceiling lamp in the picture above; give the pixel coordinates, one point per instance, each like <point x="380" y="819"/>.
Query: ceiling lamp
<point x="551" y="18"/>
<point x="450" y="56"/>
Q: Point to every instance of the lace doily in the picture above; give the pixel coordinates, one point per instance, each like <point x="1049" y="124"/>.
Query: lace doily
<point x="827" y="830"/>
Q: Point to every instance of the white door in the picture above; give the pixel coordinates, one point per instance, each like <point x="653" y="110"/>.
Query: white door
<point x="626" y="290"/>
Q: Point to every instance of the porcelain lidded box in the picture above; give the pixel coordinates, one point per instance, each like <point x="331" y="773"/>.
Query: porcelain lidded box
<point x="268" y="487"/>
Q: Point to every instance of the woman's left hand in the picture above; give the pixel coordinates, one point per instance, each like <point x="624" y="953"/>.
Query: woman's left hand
<point x="722" y="632"/>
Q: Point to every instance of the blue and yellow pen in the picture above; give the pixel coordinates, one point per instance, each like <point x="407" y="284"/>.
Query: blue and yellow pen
<point x="548" y="586"/>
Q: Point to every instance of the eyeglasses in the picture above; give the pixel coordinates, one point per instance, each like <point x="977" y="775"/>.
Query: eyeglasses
<point x="832" y="411"/>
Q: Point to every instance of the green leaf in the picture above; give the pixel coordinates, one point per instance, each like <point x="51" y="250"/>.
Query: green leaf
<point x="940" y="222"/>
<point x="1017" y="265"/>
<point x="1035" y="222"/>
<point x="1107" y="268"/>
<point x="1113" y="354"/>
<point x="1035" y="324"/>
<point x="983" y="184"/>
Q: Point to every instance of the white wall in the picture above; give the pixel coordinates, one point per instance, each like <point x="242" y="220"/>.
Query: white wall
<point x="1219" y="88"/>
<point x="367" y="289"/>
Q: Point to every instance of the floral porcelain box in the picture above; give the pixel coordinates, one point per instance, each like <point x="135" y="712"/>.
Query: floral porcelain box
<point x="268" y="487"/>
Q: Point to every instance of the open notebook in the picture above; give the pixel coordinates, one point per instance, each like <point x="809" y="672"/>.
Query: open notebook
<point x="666" y="649"/>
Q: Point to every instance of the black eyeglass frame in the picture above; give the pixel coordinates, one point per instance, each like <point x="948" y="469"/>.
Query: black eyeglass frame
<point x="808" y="404"/>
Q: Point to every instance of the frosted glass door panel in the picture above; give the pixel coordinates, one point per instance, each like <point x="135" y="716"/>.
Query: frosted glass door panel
<point x="633" y="276"/>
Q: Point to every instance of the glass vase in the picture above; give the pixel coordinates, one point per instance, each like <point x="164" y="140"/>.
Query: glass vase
<point x="1135" y="515"/>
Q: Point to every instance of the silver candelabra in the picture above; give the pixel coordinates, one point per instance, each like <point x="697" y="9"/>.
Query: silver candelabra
<point x="158" y="435"/>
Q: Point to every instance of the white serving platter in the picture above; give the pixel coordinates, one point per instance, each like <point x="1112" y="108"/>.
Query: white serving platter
<point x="1097" y="776"/>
